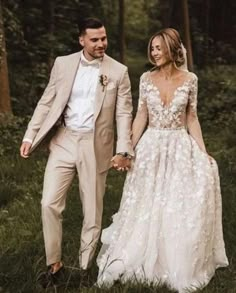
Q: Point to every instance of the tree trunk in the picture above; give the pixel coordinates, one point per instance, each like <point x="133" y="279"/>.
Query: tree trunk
<point x="51" y="32"/>
<point x="5" y="100"/>
<point x="207" y="26"/>
<point x="48" y="7"/>
<point x="167" y="12"/>
<point x="121" y="26"/>
<point x="187" y="39"/>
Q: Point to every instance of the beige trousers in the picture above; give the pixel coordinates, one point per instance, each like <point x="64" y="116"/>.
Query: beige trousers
<point x="70" y="151"/>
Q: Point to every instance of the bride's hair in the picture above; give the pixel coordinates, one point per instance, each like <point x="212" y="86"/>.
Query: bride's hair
<point x="173" y="45"/>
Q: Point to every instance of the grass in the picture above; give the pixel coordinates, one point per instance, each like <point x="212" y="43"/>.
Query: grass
<point x="21" y="240"/>
<point x="22" y="254"/>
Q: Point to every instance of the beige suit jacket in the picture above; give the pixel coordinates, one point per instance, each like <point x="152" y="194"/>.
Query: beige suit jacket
<point x="113" y="103"/>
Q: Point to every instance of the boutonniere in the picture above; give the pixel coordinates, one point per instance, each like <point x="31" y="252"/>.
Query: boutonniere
<point x="103" y="81"/>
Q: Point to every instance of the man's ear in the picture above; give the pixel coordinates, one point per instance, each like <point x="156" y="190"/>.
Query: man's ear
<point x="81" y="41"/>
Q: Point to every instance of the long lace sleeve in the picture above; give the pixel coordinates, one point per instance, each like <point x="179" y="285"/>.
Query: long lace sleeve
<point x="141" y="117"/>
<point x="193" y="124"/>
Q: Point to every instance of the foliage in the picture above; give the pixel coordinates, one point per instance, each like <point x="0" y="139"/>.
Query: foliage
<point x="217" y="90"/>
<point x="10" y="133"/>
<point x="138" y="24"/>
<point x="36" y="32"/>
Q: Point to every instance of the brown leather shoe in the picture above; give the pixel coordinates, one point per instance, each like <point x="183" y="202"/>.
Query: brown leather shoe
<point x="48" y="279"/>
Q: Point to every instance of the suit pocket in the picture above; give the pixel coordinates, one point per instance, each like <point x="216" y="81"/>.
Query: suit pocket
<point x="56" y="139"/>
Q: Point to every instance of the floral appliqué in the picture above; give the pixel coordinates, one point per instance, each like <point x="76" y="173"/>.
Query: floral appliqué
<point x="103" y="81"/>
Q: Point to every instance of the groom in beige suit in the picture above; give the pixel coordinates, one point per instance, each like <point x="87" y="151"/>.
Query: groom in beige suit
<point x="89" y="91"/>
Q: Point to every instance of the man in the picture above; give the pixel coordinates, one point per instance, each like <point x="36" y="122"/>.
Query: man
<point x="90" y="91"/>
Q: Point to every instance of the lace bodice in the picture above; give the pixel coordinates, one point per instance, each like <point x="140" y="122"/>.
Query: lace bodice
<point x="169" y="116"/>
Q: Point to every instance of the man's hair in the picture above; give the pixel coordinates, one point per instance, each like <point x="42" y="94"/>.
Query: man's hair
<point x="89" y="22"/>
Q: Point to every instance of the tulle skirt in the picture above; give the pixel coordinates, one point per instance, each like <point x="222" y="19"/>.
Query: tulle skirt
<point x="169" y="225"/>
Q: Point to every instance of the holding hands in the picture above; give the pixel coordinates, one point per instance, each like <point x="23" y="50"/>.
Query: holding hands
<point x="121" y="162"/>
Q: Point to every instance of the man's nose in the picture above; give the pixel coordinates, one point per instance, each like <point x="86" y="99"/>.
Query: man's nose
<point x="100" y="43"/>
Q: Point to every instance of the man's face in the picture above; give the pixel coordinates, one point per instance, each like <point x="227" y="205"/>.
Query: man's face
<point x="94" y="42"/>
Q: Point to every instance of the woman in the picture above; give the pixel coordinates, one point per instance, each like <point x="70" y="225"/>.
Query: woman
<point x="168" y="228"/>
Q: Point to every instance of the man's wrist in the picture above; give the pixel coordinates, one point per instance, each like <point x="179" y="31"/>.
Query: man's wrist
<point x="27" y="140"/>
<point x="125" y="155"/>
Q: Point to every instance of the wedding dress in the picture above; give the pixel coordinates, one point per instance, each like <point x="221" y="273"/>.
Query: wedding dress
<point x="169" y="225"/>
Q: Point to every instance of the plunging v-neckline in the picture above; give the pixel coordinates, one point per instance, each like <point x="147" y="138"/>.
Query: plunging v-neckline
<point x="174" y="92"/>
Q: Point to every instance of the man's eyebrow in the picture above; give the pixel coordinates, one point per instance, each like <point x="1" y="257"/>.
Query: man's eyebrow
<point x="95" y="39"/>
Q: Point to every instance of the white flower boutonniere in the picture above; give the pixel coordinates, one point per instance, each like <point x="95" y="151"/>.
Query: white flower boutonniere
<point x="103" y="81"/>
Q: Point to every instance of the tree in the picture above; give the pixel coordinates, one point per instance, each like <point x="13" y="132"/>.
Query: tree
<point x="167" y="11"/>
<point x="48" y="7"/>
<point x="187" y="38"/>
<point x="5" y="104"/>
<point x="122" y="30"/>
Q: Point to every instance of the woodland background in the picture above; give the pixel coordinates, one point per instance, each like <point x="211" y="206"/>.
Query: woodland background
<point x="32" y="34"/>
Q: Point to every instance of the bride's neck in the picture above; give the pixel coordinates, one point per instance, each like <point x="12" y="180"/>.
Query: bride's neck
<point x="167" y="70"/>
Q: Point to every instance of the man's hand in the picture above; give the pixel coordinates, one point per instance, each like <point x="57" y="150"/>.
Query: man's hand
<point x="211" y="159"/>
<point x="121" y="163"/>
<point x="24" y="149"/>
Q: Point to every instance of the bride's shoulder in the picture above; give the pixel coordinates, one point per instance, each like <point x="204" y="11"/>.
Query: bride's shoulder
<point x="192" y="76"/>
<point x="145" y="75"/>
<point x="149" y="73"/>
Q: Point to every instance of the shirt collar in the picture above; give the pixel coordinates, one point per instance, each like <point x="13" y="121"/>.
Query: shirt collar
<point x="86" y="62"/>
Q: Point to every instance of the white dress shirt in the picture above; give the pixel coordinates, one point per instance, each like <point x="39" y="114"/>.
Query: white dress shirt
<point x="79" y="112"/>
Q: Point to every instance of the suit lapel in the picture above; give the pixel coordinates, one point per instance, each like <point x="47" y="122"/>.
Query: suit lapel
<point x="101" y="90"/>
<point x="70" y="72"/>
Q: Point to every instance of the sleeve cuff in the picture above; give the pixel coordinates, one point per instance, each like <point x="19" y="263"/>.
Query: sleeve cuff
<point x="27" y="140"/>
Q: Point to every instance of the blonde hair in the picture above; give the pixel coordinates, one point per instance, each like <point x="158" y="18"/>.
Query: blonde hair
<point x="172" y="43"/>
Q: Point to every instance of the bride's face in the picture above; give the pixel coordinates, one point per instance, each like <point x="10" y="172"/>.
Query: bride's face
<point x="159" y="52"/>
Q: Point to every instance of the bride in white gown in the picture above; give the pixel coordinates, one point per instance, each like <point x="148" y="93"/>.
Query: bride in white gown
<point x="169" y="226"/>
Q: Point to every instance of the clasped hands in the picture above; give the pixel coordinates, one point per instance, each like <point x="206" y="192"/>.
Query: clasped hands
<point x="121" y="163"/>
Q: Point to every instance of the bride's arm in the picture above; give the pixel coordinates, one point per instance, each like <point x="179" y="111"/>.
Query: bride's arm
<point x="138" y="126"/>
<point x="141" y="117"/>
<point x="193" y="124"/>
